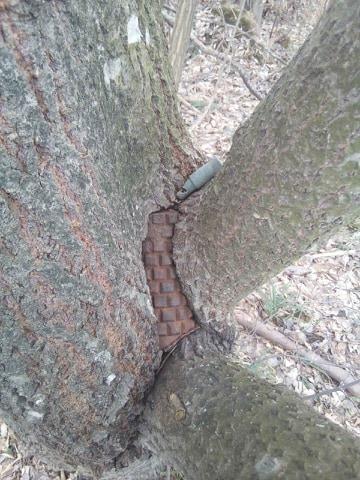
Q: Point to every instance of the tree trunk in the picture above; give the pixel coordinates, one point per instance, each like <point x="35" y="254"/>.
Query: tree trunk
<point x="92" y="143"/>
<point x="257" y="8"/>
<point x="292" y="176"/>
<point x="86" y="114"/>
<point x="210" y="418"/>
<point x="180" y="36"/>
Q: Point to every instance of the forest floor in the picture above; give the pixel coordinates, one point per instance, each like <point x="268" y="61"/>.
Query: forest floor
<point x="315" y="302"/>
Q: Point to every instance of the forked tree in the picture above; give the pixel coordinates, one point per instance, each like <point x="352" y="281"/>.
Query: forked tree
<point x="91" y="144"/>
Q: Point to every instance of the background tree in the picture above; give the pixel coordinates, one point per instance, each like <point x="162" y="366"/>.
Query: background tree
<point x="87" y="114"/>
<point x="180" y="36"/>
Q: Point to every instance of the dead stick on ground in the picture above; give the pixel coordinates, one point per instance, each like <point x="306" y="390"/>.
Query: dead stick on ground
<point x="172" y="348"/>
<point x="261" y="45"/>
<point x="331" y="390"/>
<point x="188" y="105"/>
<point x="335" y="372"/>
<point x="220" y="56"/>
<point x="235" y="66"/>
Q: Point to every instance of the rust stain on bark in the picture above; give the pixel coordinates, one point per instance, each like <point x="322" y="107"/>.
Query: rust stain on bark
<point x="12" y="147"/>
<point x="92" y="265"/>
<point x="70" y="131"/>
<point x="21" y="319"/>
<point x="185" y="163"/>
<point x="63" y="109"/>
<point x="75" y="215"/>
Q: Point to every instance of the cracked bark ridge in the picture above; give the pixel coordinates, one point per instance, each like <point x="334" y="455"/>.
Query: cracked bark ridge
<point x="171" y="308"/>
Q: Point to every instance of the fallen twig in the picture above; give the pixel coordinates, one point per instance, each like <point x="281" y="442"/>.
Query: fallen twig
<point x="227" y="57"/>
<point x="340" y="388"/>
<point x="8" y="467"/>
<point x="335" y="372"/>
<point x="334" y="253"/>
<point x="188" y="104"/>
<point x="261" y="45"/>
<point x="173" y="347"/>
<point x="222" y="56"/>
<point x="171" y="9"/>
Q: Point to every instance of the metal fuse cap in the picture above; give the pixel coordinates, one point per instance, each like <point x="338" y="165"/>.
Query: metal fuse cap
<point x="198" y="178"/>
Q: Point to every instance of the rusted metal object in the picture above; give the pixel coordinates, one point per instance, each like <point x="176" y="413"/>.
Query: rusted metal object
<point x="170" y="305"/>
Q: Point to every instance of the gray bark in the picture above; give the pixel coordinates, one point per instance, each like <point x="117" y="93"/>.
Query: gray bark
<point x="86" y="115"/>
<point x="210" y="418"/>
<point x="292" y="176"/>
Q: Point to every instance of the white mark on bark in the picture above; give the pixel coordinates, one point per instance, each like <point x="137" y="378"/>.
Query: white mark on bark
<point x="268" y="467"/>
<point x="19" y="380"/>
<point x="110" y="378"/>
<point x="3" y="430"/>
<point x="112" y="70"/>
<point x="133" y="30"/>
<point x="354" y="158"/>
<point x="40" y="399"/>
<point x="33" y="415"/>
<point x="147" y="37"/>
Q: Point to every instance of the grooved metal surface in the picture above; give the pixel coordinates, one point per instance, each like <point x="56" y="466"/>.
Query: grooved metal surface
<point x="170" y="305"/>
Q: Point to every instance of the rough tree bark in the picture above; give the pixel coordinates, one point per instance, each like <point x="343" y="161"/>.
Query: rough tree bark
<point x="87" y="113"/>
<point x="211" y="418"/>
<point x="91" y="143"/>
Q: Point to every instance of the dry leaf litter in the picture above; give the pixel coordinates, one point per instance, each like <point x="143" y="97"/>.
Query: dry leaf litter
<point x="315" y="302"/>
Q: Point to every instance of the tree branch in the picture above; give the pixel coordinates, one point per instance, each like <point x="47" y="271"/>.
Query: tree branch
<point x="335" y="372"/>
<point x="211" y="418"/>
<point x="340" y="388"/>
<point x="261" y="45"/>
<point x="180" y="36"/>
<point x="228" y="57"/>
